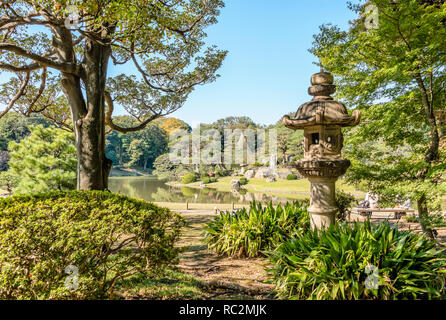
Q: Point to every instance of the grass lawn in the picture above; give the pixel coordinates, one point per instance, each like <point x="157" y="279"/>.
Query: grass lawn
<point x="281" y="186"/>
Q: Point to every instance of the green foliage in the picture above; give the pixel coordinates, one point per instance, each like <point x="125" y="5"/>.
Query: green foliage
<point x="257" y="164"/>
<point x="289" y="142"/>
<point x="291" y="176"/>
<point x="344" y="202"/>
<point x="166" y="169"/>
<point x="44" y="161"/>
<point x="15" y="127"/>
<point x="107" y="237"/>
<point x="332" y="264"/>
<point x="136" y="149"/>
<point x="189" y="178"/>
<point x="146" y="146"/>
<point x="434" y="220"/>
<point x="207" y="179"/>
<point x="395" y="76"/>
<point x="247" y="233"/>
<point x="8" y="181"/>
<point x="243" y="181"/>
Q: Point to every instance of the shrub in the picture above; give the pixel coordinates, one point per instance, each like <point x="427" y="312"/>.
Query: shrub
<point x="8" y="181"/>
<point x="189" y="178"/>
<point x="247" y="233"/>
<point x="206" y="179"/>
<point x="102" y="237"/>
<point x="332" y="264"/>
<point x="291" y="176"/>
<point x="257" y="164"/>
<point x="434" y="220"/>
<point x="243" y="181"/>
<point x="344" y="202"/>
<point x="44" y="161"/>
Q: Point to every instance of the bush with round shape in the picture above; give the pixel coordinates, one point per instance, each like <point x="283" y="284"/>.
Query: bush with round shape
<point x="243" y="181"/>
<point x="206" y="179"/>
<point x="246" y="233"/>
<point x="291" y="176"/>
<point x="189" y="178"/>
<point x="344" y="202"/>
<point x="99" y="237"/>
<point x="339" y="264"/>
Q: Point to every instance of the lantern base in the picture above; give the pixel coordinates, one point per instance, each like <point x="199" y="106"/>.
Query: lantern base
<point x="323" y="207"/>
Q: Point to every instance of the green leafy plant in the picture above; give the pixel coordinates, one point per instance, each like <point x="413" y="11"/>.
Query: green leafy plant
<point x="291" y="176"/>
<point x="106" y="238"/>
<point x="8" y="181"/>
<point x="243" y="181"/>
<point x="206" y="179"/>
<point x="43" y="161"/>
<point x="335" y="264"/>
<point x="434" y="220"/>
<point x="344" y="202"/>
<point x="246" y="233"/>
<point x="189" y="178"/>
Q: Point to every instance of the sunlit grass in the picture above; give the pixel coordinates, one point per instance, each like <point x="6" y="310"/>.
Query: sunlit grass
<point x="282" y="187"/>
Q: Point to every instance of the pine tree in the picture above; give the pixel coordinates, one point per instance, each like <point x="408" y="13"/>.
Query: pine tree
<point x="44" y="161"/>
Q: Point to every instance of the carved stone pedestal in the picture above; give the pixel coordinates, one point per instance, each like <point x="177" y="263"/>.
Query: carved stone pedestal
<point x="322" y="119"/>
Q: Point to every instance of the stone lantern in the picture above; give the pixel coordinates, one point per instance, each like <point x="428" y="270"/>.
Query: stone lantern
<point x="322" y="119"/>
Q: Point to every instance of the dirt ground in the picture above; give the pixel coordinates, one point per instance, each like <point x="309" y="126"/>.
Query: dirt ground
<point x="227" y="278"/>
<point x="230" y="278"/>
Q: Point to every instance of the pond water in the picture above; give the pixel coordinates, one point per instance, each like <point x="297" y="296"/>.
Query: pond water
<point x="154" y="190"/>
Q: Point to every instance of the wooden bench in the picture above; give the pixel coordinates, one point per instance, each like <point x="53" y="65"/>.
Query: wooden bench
<point x="397" y="212"/>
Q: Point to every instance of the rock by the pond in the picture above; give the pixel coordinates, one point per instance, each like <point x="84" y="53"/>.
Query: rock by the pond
<point x="235" y="184"/>
<point x="284" y="174"/>
<point x="250" y="174"/>
<point x="262" y="173"/>
<point x="265" y="173"/>
<point x="271" y="179"/>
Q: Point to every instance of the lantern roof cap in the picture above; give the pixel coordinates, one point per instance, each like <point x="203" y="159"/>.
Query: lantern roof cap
<point x="322" y="109"/>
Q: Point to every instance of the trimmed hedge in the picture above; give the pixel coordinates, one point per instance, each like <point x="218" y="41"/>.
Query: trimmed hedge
<point x="102" y="237"/>
<point x="189" y="178"/>
<point x="291" y="176"/>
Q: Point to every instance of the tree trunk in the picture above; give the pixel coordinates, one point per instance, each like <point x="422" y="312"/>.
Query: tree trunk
<point x="423" y="214"/>
<point x="120" y="154"/>
<point x="432" y="154"/>
<point x="94" y="167"/>
<point x="88" y="118"/>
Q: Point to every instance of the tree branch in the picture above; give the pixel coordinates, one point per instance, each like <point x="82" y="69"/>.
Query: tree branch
<point x="42" y="60"/>
<point x="109" y="120"/>
<point x="39" y="93"/>
<point x="24" y="68"/>
<point x="17" y="96"/>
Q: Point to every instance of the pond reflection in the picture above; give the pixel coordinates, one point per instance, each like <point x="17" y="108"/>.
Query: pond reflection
<point x="154" y="190"/>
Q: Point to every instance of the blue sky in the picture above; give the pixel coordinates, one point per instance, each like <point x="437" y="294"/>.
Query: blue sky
<point x="268" y="68"/>
<point x="267" y="71"/>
